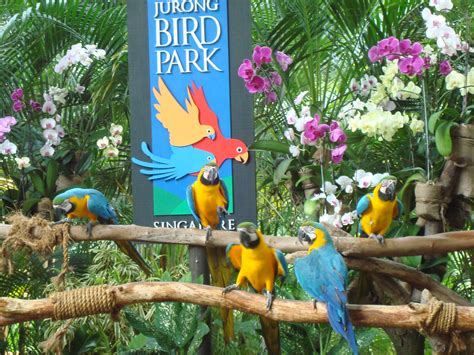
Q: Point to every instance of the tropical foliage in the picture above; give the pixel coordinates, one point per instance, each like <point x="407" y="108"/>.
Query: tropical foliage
<point x="328" y="42"/>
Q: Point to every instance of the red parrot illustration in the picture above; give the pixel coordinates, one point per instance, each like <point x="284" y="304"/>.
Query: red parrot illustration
<point x="222" y="148"/>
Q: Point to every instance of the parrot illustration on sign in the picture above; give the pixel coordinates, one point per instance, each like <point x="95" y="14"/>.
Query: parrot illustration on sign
<point x="195" y="137"/>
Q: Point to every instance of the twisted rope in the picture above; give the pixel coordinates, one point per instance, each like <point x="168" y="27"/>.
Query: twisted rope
<point x="441" y="317"/>
<point x="83" y="302"/>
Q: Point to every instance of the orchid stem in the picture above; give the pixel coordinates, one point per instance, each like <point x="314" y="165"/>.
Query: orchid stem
<point x="427" y="138"/>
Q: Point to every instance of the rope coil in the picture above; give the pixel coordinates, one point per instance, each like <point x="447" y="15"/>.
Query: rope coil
<point x="441" y="317"/>
<point x="83" y="302"/>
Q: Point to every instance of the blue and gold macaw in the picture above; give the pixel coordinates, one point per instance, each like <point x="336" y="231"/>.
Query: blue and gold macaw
<point x="377" y="209"/>
<point x="258" y="265"/>
<point x="93" y="205"/>
<point x="323" y="275"/>
<point x="208" y="200"/>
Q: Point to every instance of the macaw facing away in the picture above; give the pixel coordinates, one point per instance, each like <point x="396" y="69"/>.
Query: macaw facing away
<point x="323" y="275"/>
<point x="93" y="205"/>
<point x="183" y="125"/>
<point x="208" y="200"/>
<point x="259" y="265"/>
<point x="183" y="161"/>
<point x="222" y="148"/>
<point x="377" y="209"/>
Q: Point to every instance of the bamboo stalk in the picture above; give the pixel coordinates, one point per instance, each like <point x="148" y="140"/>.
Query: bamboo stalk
<point x="348" y="246"/>
<point x="14" y="310"/>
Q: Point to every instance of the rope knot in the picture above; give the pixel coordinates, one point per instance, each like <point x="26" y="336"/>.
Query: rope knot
<point x="441" y="317"/>
<point x="83" y="302"/>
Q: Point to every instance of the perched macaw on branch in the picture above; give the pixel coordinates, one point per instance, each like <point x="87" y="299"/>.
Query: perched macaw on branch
<point x="259" y="265"/>
<point x="377" y="209"/>
<point x="323" y="275"/>
<point x="208" y="200"/>
<point x="93" y="205"/>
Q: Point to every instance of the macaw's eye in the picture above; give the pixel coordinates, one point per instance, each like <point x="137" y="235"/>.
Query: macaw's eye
<point x="239" y="150"/>
<point x="209" y="158"/>
<point x="209" y="131"/>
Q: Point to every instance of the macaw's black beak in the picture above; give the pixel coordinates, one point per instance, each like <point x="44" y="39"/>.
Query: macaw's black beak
<point x="244" y="236"/>
<point x="302" y="236"/>
<point x="391" y="190"/>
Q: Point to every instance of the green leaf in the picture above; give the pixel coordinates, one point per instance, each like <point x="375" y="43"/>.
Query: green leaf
<point x="29" y="204"/>
<point x="51" y="177"/>
<point x="310" y="207"/>
<point x="270" y="146"/>
<point x="444" y="142"/>
<point x="413" y="261"/>
<point x="434" y="262"/>
<point x="201" y="331"/>
<point x="433" y="120"/>
<point x="38" y="183"/>
<point x="281" y="169"/>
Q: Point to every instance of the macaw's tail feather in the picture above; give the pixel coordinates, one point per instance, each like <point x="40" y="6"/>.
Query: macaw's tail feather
<point x="271" y="335"/>
<point x="340" y="322"/>
<point x="221" y="274"/>
<point x="129" y="249"/>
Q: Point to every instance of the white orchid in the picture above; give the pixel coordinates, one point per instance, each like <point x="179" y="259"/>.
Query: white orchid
<point x="22" y="163"/>
<point x="48" y="123"/>
<point x="47" y="150"/>
<point x="363" y="178"/>
<point x="328" y="188"/>
<point x="116" y="129"/>
<point x="294" y="151"/>
<point x="300" y="97"/>
<point x="320" y="196"/>
<point x="8" y="148"/>
<point x="111" y="152"/>
<point x="345" y="183"/>
<point x="289" y="134"/>
<point x="103" y="143"/>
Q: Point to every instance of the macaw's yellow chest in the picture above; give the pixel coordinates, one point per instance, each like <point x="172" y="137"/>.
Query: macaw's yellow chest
<point x="259" y="267"/>
<point x="207" y="198"/>
<point x="378" y="217"/>
<point x="80" y="209"/>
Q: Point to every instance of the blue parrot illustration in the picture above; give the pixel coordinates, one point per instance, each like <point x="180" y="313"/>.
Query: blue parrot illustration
<point x="323" y="275"/>
<point x="183" y="161"/>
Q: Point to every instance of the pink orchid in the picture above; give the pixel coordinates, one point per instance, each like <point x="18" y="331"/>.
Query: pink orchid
<point x="271" y="97"/>
<point x="388" y="46"/>
<point x="276" y="78"/>
<point x="284" y="60"/>
<point x="411" y="65"/>
<point x="313" y="130"/>
<point x="35" y="106"/>
<point x="445" y="68"/>
<point x="17" y="94"/>
<point x="257" y="84"/>
<point x="246" y="70"/>
<point x="262" y="55"/>
<point x="338" y="153"/>
<point x="17" y="106"/>
<point x="374" y="55"/>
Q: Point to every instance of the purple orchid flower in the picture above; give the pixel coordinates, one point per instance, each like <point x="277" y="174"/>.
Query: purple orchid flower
<point x="262" y="55"/>
<point x="338" y="153"/>
<point x="284" y="60"/>
<point x="445" y="68"/>
<point x="411" y="65"/>
<point x="246" y="70"/>
<point x="313" y="130"/>
<point x="257" y="84"/>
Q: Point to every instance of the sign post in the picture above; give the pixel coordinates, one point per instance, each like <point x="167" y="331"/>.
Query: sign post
<point x="189" y="108"/>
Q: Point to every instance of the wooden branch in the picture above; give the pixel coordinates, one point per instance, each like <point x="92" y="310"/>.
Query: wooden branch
<point x="435" y="244"/>
<point x="407" y="316"/>
<point x="399" y="271"/>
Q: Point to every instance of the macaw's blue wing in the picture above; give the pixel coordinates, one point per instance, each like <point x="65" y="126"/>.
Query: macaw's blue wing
<point x="190" y="200"/>
<point x="282" y="269"/>
<point x="100" y="206"/>
<point x="322" y="275"/>
<point x="363" y="204"/>
<point x="399" y="210"/>
<point x="182" y="161"/>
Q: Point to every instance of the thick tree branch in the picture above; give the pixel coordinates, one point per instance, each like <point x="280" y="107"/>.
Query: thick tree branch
<point x="348" y="246"/>
<point x="408" y="316"/>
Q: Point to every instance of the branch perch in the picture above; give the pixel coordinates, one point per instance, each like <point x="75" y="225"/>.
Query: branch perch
<point x="348" y="246"/>
<point x="407" y="316"/>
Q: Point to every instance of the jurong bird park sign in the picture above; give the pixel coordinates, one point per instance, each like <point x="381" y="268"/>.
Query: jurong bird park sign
<point x="188" y="106"/>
